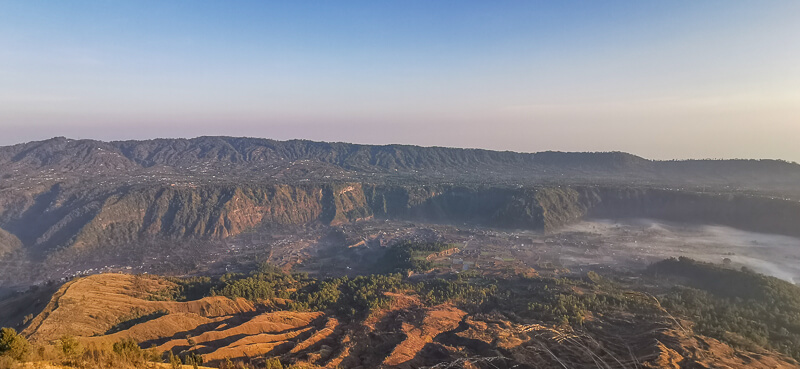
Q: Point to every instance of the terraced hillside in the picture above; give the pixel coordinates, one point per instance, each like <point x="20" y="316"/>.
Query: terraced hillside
<point x="409" y="331"/>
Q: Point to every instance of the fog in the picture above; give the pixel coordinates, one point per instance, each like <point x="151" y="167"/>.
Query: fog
<point x="636" y="243"/>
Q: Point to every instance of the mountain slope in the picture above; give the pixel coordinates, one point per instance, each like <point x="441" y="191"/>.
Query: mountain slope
<point x="623" y="329"/>
<point x="205" y="155"/>
<point x="81" y="219"/>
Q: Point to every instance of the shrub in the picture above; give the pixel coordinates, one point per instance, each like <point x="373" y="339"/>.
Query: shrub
<point x="70" y="347"/>
<point x="227" y="364"/>
<point x="128" y="350"/>
<point x="7" y="362"/>
<point x="13" y="345"/>
<point x="273" y="363"/>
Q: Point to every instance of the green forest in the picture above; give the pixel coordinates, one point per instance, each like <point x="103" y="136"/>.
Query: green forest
<point x="740" y="307"/>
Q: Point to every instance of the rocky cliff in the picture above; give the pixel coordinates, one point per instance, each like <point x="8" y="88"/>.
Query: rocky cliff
<point x="752" y="213"/>
<point x="79" y="219"/>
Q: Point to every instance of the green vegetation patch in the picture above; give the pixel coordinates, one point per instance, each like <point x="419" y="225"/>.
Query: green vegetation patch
<point x="409" y="256"/>
<point x="545" y="299"/>
<point x="742" y="308"/>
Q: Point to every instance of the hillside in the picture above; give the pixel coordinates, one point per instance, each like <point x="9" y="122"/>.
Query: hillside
<point x="386" y="321"/>
<point x="742" y="307"/>
<point x="203" y="157"/>
<point x="76" y="219"/>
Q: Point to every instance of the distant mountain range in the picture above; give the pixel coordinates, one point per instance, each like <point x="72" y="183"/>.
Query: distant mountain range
<point x="254" y="158"/>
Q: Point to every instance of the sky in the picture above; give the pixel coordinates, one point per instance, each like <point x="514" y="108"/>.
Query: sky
<point x="661" y="79"/>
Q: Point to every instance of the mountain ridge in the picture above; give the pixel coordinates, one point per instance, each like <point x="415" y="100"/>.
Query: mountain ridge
<point x="238" y="144"/>
<point x="259" y="156"/>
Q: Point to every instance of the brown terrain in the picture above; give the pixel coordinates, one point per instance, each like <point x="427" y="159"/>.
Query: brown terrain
<point x="107" y="307"/>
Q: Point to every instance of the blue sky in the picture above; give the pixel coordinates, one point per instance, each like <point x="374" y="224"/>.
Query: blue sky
<point x="662" y="79"/>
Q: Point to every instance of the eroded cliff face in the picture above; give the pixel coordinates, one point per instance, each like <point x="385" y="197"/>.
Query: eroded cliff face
<point x="520" y="208"/>
<point x="216" y="212"/>
<point x="344" y="203"/>
<point x="56" y="218"/>
<point x="750" y="213"/>
<point x="73" y="218"/>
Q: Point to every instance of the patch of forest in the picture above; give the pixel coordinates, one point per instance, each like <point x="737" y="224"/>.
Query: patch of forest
<point x="740" y="307"/>
<point x="564" y="300"/>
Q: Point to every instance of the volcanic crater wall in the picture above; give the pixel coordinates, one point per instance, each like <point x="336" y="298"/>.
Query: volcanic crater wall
<point x="746" y="212"/>
<point x="57" y="218"/>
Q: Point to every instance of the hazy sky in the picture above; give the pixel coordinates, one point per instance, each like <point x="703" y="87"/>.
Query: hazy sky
<point x="661" y="79"/>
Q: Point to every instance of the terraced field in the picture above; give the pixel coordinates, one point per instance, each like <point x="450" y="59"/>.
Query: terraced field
<point x="106" y="308"/>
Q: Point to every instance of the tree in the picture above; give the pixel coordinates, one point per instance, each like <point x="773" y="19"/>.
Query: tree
<point x="190" y="341"/>
<point x="70" y="347"/>
<point x="13" y="344"/>
<point x="175" y="361"/>
<point x="193" y="359"/>
<point x="128" y="350"/>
